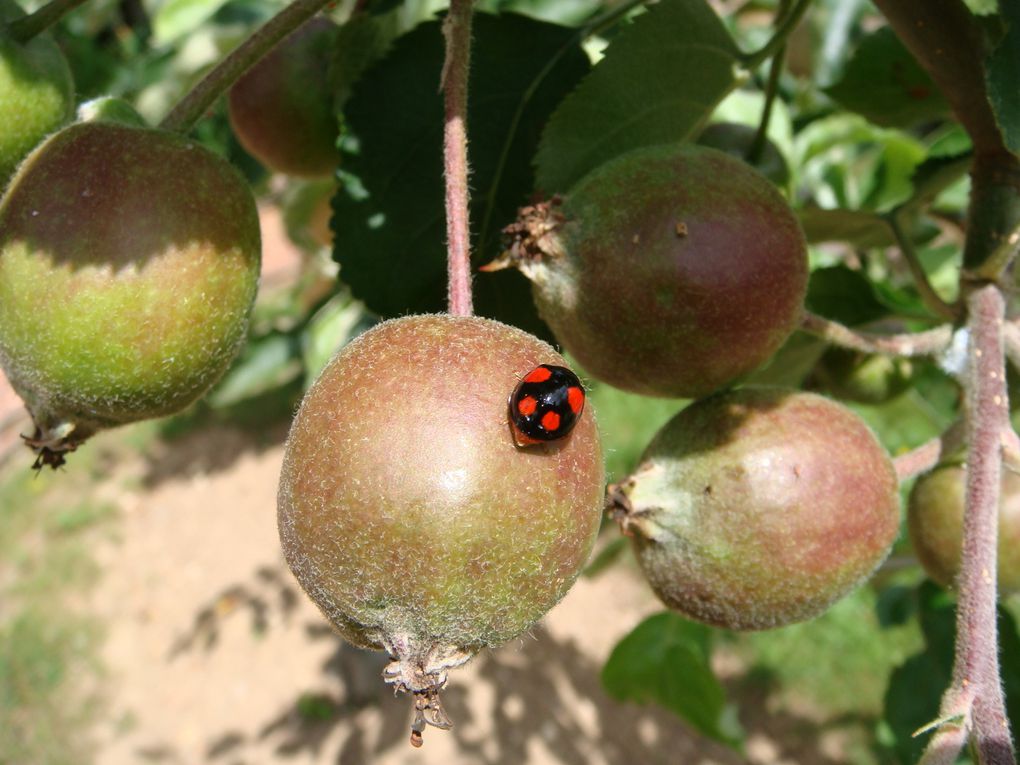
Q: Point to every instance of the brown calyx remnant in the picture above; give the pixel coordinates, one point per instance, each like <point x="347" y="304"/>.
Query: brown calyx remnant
<point x="423" y="672"/>
<point x="51" y="445"/>
<point x="533" y="236"/>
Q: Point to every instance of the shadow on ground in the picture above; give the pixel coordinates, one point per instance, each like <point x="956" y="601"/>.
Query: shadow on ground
<point x="539" y="693"/>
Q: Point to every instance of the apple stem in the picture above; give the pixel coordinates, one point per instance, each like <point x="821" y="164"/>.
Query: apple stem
<point x="788" y="23"/>
<point x="24" y="29"/>
<point x="974" y="701"/>
<point x="927" y="343"/>
<point x="754" y="151"/>
<point x="926" y="456"/>
<point x="454" y="84"/>
<point x="194" y="105"/>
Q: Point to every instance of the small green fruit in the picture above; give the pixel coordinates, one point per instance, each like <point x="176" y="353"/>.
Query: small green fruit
<point x="282" y="109"/>
<point x="129" y="262"/>
<point x="935" y="524"/>
<point x="36" y="93"/>
<point x="760" y="507"/>
<point x="669" y="271"/>
<point x="864" y="378"/>
<point x="408" y="514"/>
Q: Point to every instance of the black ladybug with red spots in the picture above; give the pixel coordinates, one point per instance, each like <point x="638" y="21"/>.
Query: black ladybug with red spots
<point x="545" y="405"/>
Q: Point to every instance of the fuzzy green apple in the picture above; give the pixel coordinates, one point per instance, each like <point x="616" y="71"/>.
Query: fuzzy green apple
<point x="129" y="263"/>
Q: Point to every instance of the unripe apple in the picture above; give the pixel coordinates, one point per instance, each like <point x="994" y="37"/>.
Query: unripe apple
<point x="36" y="93"/>
<point x="865" y="378"/>
<point x="282" y="108"/>
<point x="759" y="507"/>
<point x="407" y="511"/>
<point x="671" y="270"/>
<point x="129" y="262"/>
<point x="935" y="524"/>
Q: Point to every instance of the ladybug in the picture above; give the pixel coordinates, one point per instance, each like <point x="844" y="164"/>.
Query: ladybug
<point x="545" y="405"/>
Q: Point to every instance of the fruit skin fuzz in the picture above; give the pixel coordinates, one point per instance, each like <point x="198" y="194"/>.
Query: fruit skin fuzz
<point x="129" y="264"/>
<point x="669" y="271"/>
<point x="408" y="513"/>
<point x="758" y="508"/>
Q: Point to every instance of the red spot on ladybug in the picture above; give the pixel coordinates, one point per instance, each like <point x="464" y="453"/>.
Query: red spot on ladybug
<point x="538" y="374"/>
<point x="545" y="405"/>
<point x="575" y="398"/>
<point x="550" y="421"/>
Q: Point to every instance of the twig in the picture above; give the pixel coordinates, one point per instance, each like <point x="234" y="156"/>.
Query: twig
<point x="929" y="296"/>
<point x="778" y="40"/>
<point x="927" y="343"/>
<point x="24" y="29"/>
<point x="929" y="454"/>
<point x="975" y="696"/>
<point x="457" y="31"/>
<point x="191" y="108"/>
<point x="946" y="41"/>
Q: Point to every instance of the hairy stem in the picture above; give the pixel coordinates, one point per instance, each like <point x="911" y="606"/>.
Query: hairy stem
<point x="929" y="454"/>
<point x="457" y="31"/>
<point x="975" y="684"/>
<point x="191" y="108"/>
<point x="24" y="29"/>
<point x="925" y="343"/>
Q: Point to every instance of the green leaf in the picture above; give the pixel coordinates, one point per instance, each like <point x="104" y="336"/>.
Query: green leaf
<point x="792" y="363"/>
<point x="884" y="83"/>
<point x="916" y="686"/>
<point x="860" y="228"/>
<point x="360" y="42"/>
<point x="334" y="325"/>
<point x="1003" y="76"/>
<point x="389" y="225"/>
<point x="265" y="363"/>
<point x="843" y="295"/>
<point x="658" y="83"/>
<point x="665" y="660"/>
<point x="178" y="18"/>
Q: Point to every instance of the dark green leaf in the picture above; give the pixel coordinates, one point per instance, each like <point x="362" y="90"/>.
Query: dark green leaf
<point x="659" y="82"/>
<point x="895" y="605"/>
<point x="916" y="687"/>
<point x="665" y="660"/>
<point x="791" y="363"/>
<point x="860" y="228"/>
<point x="389" y="226"/>
<point x="934" y="175"/>
<point x="843" y="295"/>
<point x="1003" y="74"/>
<point x="884" y="83"/>
<point x="359" y="43"/>
<point x="912" y="700"/>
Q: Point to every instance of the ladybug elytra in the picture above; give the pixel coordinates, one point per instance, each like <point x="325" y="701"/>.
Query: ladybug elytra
<point x="545" y="405"/>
